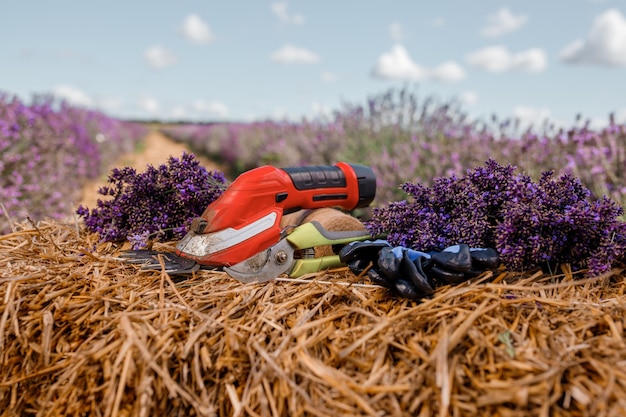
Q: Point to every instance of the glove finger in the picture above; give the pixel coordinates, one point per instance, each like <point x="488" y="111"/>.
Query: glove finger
<point x="484" y="258"/>
<point x="406" y="289"/>
<point x="357" y="266"/>
<point x="367" y="249"/>
<point x="450" y="277"/>
<point x="389" y="263"/>
<point x="455" y="258"/>
<point x="396" y="264"/>
<point x="375" y="276"/>
<point x="423" y="265"/>
<point x="472" y="273"/>
<point x="410" y="272"/>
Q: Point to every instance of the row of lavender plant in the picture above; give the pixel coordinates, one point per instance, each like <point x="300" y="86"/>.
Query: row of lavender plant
<point x="407" y="139"/>
<point x="48" y="150"/>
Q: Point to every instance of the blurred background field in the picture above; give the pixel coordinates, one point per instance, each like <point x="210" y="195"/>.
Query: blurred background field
<point x="408" y="138"/>
<point x="51" y="150"/>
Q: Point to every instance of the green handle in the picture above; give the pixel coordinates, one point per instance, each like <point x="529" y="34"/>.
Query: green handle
<point x="312" y="265"/>
<point x="312" y="234"/>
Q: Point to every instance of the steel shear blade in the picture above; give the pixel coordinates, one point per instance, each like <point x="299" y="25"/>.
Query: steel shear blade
<point x="285" y="257"/>
<point x="172" y="263"/>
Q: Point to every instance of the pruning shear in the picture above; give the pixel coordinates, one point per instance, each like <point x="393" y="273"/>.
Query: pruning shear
<point x="294" y="254"/>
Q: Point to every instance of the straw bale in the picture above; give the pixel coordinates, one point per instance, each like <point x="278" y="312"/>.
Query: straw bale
<point x="83" y="333"/>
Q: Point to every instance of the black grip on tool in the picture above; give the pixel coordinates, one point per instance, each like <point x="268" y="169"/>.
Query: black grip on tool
<point x="314" y="177"/>
<point x="320" y="177"/>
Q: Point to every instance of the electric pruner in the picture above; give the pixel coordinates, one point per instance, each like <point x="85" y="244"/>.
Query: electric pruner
<point x="244" y="222"/>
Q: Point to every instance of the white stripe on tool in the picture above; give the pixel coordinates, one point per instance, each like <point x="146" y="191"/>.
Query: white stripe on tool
<point x="206" y="244"/>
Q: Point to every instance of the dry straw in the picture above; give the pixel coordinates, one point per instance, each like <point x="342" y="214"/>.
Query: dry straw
<point x="82" y="333"/>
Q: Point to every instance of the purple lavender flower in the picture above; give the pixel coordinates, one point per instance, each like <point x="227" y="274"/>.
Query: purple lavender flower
<point x="48" y="150"/>
<point x="531" y="224"/>
<point x="159" y="203"/>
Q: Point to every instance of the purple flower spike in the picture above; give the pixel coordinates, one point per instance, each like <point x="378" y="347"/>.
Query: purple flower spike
<point x="531" y="224"/>
<point x="160" y="202"/>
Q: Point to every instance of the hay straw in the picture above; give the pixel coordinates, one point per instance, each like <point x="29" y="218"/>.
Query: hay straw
<point x="83" y="333"/>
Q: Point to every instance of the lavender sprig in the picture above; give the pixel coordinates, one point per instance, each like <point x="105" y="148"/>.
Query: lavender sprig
<point x="531" y="224"/>
<point x="159" y="203"/>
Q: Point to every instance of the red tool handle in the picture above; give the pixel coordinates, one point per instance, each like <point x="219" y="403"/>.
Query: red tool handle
<point x="344" y="185"/>
<point x="268" y="192"/>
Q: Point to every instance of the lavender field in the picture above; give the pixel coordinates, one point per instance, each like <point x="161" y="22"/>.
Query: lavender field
<point x="48" y="151"/>
<point x="406" y="138"/>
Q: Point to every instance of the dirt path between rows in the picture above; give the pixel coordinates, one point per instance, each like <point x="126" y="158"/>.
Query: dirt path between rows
<point x="154" y="150"/>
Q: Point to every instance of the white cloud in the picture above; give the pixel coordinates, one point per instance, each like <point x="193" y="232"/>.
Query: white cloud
<point x="499" y="59"/>
<point x="158" y="57"/>
<point x="328" y="76"/>
<point x="212" y="108"/>
<point x="72" y="95"/>
<point x="110" y="104"/>
<point x="294" y="54"/>
<point x="179" y="112"/>
<point x="605" y="43"/>
<point x="196" y="30"/>
<point x="448" y="71"/>
<point x="321" y="110"/>
<point x="250" y="117"/>
<point x="469" y="97"/>
<point x="503" y="21"/>
<point x="149" y="104"/>
<point x="198" y="110"/>
<point x="397" y="64"/>
<point x="78" y="97"/>
<point x="396" y="32"/>
<point x="279" y="113"/>
<point x="532" y="116"/>
<point x="598" y="123"/>
<point x="280" y="10"/>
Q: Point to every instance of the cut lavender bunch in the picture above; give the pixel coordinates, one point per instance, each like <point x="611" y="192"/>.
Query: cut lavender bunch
<point x="158" y="203"/>
<point x="531" y="224"/>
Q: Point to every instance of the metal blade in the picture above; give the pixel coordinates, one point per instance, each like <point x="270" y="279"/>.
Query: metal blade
<point x="265" y="265"/>
<point x="174" y="264"/>
<point x="140" y="256"/>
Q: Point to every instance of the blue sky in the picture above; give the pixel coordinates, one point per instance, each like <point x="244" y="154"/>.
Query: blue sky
<point x="246" y="60"/>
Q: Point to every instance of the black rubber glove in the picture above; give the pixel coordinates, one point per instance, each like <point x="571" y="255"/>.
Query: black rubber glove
<point x="399" y="269"/>
<point x="404" y="270"/>
<point x="361" y="255"/>
<point x="414" y="274"/>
